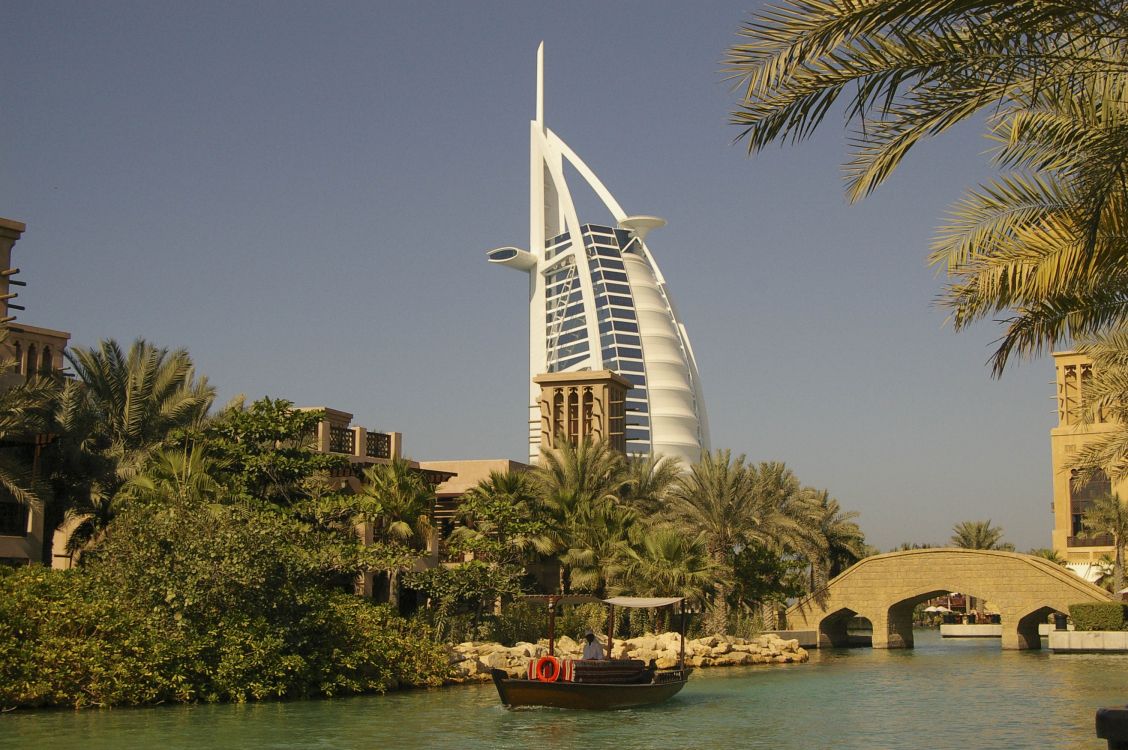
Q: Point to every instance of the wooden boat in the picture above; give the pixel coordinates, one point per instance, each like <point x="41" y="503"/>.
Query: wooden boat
<point x="594" y="684"/>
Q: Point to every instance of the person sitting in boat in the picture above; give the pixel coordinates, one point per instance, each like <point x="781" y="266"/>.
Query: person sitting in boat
<point x="592" y="649"/>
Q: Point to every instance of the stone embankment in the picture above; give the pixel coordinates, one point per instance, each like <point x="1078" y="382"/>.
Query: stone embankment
<point x="472" y="662"/>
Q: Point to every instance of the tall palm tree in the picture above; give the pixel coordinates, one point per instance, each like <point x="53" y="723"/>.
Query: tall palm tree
<point x="716" y="500"/>
<point x="843" y="542"/>
<point x="400" y="505"/>
<point x="1046" y="240"/>
<point x="574" y="483"/>
<point x="978" y="535"/>
<point x="786" y="522"/>
<point x="1107" y="515"/>
<point x="125" y="408"/>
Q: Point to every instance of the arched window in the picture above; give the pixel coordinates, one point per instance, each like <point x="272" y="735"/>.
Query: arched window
<point x="588" y="409"/>
<point x="573" y="416"/>
<point x="19" y="357"/>
<point x="32" y="360"/>
<point x="45" y="365"/>
<point x="558" y="412"/>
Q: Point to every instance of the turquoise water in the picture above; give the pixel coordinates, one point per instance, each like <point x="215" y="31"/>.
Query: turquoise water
<point x="942" y="694"/>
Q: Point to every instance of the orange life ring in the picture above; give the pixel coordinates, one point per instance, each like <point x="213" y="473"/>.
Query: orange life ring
<point x="541" y="675"/>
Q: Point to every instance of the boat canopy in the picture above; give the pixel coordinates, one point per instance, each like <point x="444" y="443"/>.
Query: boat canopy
<point x="638" y="602"/>
<point x="558" y="599"/>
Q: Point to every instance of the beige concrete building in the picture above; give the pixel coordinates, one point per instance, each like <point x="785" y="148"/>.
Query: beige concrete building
<point x="34" y="350"/>
<point x="1072" y="494"/>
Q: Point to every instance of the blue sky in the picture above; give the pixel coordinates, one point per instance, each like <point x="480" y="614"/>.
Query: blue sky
<point x="302" y="194"/>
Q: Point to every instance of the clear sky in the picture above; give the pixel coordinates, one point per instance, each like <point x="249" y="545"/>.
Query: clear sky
<point x="301" y="194"/>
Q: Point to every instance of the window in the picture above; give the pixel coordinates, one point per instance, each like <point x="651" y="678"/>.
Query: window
<point x="13" y="518"/>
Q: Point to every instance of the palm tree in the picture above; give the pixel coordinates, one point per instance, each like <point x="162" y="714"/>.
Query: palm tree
<point x="716" y="501"/>
<point x="573" y="483"/>
<point x="186" y="475"/>
<point x="1107" y="515"/>
<point x="668" y="562"/>
<point x="1048" y="554"/>
<point x="495" y="517"/>
<point x="843" y="542"/>
<point x="649" y="479"/>
<point x="977" y="535"/>
<point x="1106" y="400"/>
<point x="600" y="545"/>
<point x="400" y="505"/>
<point x="140" y="397"/>
<point x="123" y="410"/>
<point x="1044" y="241"/>
<point x="786" y="523"/>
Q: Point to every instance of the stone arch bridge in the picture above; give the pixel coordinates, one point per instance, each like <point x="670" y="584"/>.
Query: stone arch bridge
<point x="885" y="589"/>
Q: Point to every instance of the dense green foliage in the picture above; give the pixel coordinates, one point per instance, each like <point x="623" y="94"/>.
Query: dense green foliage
<point x="200" y="602"/>
<point x="1099" y="616"/>
<point x="265" y="449"/>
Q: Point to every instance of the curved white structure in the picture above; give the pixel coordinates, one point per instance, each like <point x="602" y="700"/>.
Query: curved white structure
<point x="597" y="301"/>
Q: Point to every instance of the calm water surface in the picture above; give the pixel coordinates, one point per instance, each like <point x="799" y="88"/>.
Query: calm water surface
<point x="942" y="694"/>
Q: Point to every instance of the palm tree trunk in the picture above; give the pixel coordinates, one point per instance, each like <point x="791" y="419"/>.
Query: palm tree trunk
<point x="393" y="588"/>
<point x="1118" y="567"/>
<point x="718" y="620"/>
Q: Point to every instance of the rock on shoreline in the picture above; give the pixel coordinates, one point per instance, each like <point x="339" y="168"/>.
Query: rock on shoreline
<point x="472" y="662"/>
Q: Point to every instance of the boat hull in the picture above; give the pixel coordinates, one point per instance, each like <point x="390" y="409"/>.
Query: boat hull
<point x="583" y="695"/>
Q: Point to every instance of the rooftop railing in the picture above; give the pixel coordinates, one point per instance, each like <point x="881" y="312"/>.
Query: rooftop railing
<point x="342" y="440"/>
<point x="378" y="445"/>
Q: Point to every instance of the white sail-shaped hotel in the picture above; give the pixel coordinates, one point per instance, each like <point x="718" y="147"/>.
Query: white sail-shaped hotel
<point x="598" y="301"/>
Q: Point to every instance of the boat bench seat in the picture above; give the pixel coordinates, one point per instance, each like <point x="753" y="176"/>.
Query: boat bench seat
<point x="616" y="671"/>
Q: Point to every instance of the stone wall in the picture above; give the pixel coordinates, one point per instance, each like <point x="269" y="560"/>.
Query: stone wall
<point x="472" y="662"/>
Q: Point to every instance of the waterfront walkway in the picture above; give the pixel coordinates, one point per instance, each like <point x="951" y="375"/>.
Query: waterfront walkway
<point x="885" y="589"/>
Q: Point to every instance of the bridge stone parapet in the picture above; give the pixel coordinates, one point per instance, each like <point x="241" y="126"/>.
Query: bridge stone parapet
<point x="885" y="588"/>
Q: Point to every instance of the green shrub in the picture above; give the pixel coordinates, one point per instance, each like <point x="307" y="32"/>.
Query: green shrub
<point x="1099" y="616"/>
<point x="200" y="604"/>
<point x="519" y="621"/>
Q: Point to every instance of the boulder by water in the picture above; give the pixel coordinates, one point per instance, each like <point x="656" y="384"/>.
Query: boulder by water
<point x="471" y="661"/>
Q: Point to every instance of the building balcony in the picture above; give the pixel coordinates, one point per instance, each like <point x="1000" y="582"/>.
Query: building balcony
<point x="1101" y="540"/>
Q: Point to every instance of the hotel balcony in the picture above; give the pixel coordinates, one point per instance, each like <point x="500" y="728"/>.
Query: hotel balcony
<point x="1101" y="540"/>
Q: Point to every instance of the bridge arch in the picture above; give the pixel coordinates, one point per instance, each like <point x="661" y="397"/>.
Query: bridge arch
<point x="885" y="589"/>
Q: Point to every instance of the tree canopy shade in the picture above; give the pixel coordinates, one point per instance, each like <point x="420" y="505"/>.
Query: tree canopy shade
<point x="1044" y="241"/>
